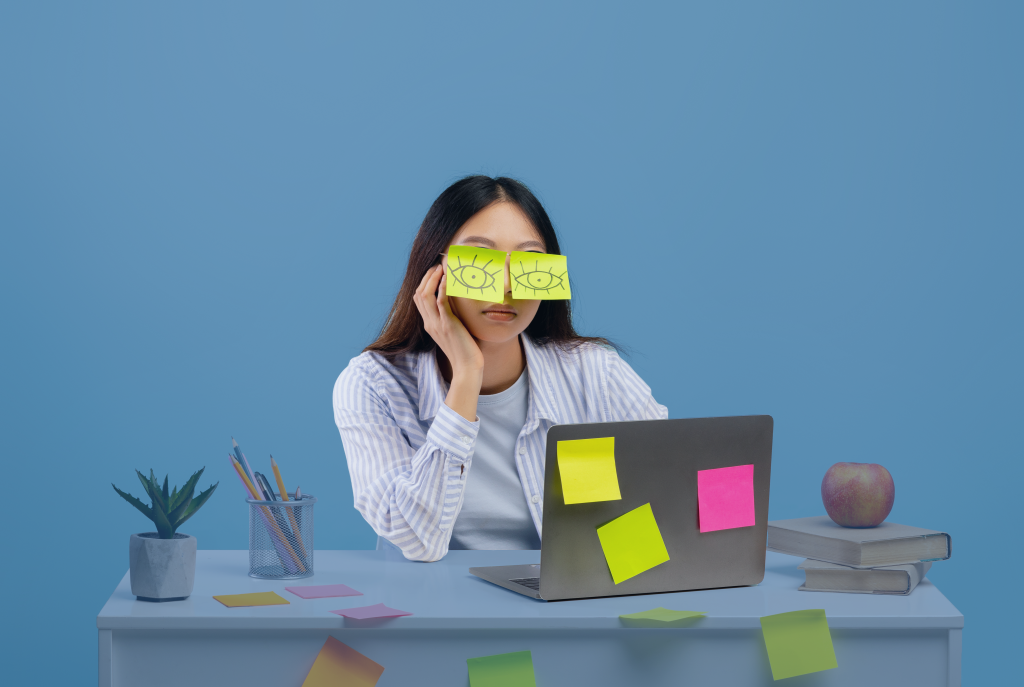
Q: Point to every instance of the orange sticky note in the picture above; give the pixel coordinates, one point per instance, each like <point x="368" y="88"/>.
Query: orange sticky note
<point x="339" y="664"/>
<point x="725" y="498"/>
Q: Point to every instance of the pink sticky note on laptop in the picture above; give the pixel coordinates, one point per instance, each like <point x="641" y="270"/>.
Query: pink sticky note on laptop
<point x="725" y="498"/>
<point x="323" y="591"/>
<point x="367" y="612"/>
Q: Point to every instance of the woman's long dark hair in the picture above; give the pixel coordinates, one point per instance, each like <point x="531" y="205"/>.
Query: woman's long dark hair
<point x="403" y="331"/>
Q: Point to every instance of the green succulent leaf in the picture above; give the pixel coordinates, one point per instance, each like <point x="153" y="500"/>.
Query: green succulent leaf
<point x="167" y="495"/>
<point x="196" y="504"/>
<point x="186" y="491"/>
<point x="159" y="502"/>
<point x="143" y="508"/>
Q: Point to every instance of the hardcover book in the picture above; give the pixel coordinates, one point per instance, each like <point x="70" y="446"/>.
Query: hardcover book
<point x="870" y="547"/>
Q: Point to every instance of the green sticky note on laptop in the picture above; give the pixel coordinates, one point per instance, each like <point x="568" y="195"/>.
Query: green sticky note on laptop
<point x="660" y="617"/>
<point x="587" y="469"/>
<point x="798" y="643"/>
<point x="502" y="670"/>
<point x="632" y="543"/>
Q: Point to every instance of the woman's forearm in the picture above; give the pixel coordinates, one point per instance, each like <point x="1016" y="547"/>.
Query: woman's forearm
<point x="464" y="392"/>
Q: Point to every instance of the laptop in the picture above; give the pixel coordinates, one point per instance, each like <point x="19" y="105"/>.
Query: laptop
<point x="656" y="462"/>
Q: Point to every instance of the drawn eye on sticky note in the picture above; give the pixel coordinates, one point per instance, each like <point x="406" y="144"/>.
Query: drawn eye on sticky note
<point x="725" y="498"/>
<point x="477" y="273"/>
<point x="539" y="276"/>
<point x="632" y="543"/>
<point x="587" y="469"/>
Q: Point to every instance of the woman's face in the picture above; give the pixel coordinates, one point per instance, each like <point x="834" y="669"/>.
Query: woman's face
<point x="501" y="226"/>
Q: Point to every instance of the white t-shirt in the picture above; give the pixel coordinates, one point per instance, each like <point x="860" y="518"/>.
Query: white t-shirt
<point x="494" y="511"/>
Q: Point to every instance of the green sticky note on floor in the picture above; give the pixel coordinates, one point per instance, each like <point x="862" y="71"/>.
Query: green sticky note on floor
<point x="587" y="469"/>
<point x="539" y="276"/>
<point x="477" y="273"/>
<point x="502" y="670"/>
<point x="660" y="617"/>
<point x="798" y="643"/>
<point x="632" y="543"/>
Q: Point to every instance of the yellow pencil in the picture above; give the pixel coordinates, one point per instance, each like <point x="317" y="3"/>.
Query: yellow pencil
<point x="284" y="497"/>
<point x="280" y="482"/>
<point x="245" y="480"/>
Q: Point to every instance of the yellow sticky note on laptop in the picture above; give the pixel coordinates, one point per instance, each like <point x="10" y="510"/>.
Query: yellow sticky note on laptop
<point x="587" y="468"/>
<point x="798" y="643"/>
<point x="632" y="543"/>
<point x="477" y="273"/>
<point x="255" y="599"/>
<point x="539" y="276"/>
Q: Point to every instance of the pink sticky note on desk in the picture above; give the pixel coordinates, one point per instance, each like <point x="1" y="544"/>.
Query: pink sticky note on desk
<point x="367" y="612"/>
<point x="323" y="591"/>
<point x="725" y="498"/>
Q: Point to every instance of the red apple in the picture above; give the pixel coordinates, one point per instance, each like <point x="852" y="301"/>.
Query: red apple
<point x="858" y="494"/>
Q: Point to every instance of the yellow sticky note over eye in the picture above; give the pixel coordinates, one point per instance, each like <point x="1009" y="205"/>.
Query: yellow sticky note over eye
<point x="798" y="643"/>
<point x="632" y="543"/>
<point x="539" y="276"/>
<point x="477" y="273"/>
<point x="587" y="468"/>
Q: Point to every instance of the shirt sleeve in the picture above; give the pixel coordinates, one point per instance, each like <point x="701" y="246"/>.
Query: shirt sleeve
<point x="629" y="397"/>
<point x="408" y="496"/>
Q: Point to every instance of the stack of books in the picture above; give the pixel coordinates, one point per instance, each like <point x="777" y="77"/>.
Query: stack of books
<point x="888" y="559"/>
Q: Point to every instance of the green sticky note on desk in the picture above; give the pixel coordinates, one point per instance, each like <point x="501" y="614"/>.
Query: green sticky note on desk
<point x="477" y="273"/>
<point x="539" y="276"/>
<point x="502" y="670"/>
<point x="632" y="543"/>
<point x="587" y="469"/>
<point x="798" y="643"/>
<point x="660" y="617"/>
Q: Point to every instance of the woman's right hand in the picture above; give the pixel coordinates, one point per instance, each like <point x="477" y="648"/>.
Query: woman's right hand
<point x="447" y="330"/>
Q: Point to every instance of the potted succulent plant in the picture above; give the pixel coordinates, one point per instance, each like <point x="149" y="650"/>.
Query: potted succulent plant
<point x="163" y="563"/>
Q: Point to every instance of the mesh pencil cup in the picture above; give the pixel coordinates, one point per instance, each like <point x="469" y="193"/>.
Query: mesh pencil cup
<point x="281" y="538"/>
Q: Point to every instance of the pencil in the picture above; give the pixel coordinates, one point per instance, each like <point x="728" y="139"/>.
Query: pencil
<point x="284" y="497"/>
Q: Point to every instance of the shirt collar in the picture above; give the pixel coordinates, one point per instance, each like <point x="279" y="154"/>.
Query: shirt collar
<point x="432" y="388"/>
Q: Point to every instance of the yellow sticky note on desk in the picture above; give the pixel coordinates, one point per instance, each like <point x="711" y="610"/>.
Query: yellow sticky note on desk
<point x="798" y="643"/>
<point x="255" y="599"/>
<point x="632" y="543"/>
<point x="477" y="273"/>
<point x="539" y="276"/>
<point x="587" y="468"/>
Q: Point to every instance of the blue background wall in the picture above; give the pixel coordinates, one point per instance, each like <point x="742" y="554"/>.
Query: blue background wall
<point x="205" y="210"/>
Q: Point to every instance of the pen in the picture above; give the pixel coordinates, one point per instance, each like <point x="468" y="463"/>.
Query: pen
<point x="291" y="511"/>
<point x="268" y="518"/>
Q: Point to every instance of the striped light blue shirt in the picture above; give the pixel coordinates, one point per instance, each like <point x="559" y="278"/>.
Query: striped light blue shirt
<point x="409" y="453"/>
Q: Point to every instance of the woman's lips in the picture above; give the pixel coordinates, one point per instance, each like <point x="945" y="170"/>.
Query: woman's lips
<point x="500" y="315"/>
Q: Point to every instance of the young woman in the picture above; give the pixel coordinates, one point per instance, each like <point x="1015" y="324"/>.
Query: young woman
<point x="444" y="417"/>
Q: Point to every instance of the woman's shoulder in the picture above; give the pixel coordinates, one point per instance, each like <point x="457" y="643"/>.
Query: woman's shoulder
<point x="378" y="371"/>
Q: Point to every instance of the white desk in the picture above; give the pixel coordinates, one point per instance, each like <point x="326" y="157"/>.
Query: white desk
<point x="879" y="640"/>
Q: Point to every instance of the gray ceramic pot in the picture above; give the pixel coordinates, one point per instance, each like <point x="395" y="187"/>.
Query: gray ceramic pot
<point x="162" y="569"/>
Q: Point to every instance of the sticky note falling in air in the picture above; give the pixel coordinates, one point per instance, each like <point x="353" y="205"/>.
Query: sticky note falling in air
<point x="339" y="664"/>
<point x="725" y="498"/>
<point x="587" y="469"/>
<point x="632" y="543"/>
<point x="539" y="276"/>
<point x="477" y="273"/>
<point x="374" y="611"/>
<point x="255" y="599"/>
<point x="660" y="617"/>
<point x="798" y="643"/>
<point x="323" y="591"/>
<point x="502" y="670"/>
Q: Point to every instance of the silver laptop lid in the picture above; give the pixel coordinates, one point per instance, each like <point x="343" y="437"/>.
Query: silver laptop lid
<point x="656" y="462"/>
